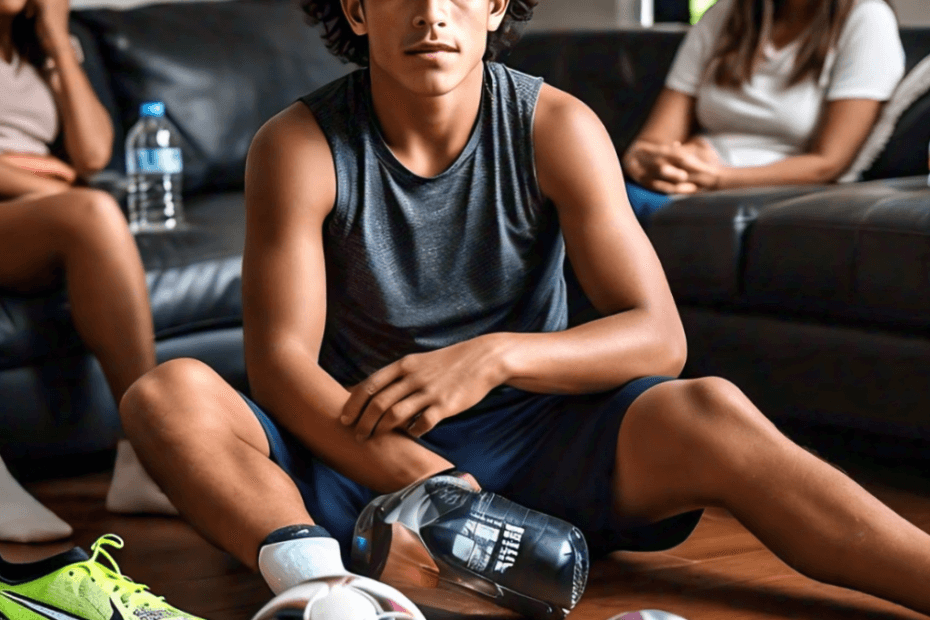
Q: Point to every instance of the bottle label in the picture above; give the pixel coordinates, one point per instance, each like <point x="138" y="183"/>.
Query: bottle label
<point x="161" y="161"/>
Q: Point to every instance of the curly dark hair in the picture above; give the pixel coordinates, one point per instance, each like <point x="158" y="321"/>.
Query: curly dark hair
<point x="350" y="47"/>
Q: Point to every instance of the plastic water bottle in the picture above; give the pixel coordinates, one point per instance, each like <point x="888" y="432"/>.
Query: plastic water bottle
<point x="154" y="168"/>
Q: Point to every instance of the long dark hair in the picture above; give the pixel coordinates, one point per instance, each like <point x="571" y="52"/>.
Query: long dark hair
<point x="26" y="41"/>
<point x="749" y="26"/>
<point x="350" y="47"/>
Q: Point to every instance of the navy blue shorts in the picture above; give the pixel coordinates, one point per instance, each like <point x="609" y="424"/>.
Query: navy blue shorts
<point x="551" y="453"/>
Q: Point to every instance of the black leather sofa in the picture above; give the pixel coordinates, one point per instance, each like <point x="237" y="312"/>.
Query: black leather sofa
<point x="814" y="300"/>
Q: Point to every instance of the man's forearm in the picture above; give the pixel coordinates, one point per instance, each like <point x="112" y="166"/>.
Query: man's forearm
<point x="307" y="401"/>
<point x="596" y="356"/>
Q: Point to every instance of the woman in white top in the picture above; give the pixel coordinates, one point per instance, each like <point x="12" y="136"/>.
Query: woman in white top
<point x="53" y="233"/>
<point x="769" y="92"/>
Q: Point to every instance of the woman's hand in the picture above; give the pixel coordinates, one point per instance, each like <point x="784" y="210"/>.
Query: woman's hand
<point x="698" y="159"/>
<point x="43" y="165"/>
<point x="651" y="165"/>
<point x="51" y="24"/>
<point x="675" y="168"/>
<point x="418" y="391"/>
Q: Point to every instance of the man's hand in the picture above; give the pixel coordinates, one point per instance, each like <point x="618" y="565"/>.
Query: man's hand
<point x="43" y="165"/>
<point x="417" y="391"/>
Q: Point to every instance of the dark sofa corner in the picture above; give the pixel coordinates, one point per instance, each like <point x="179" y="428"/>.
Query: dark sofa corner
<point x="814" y="300"/>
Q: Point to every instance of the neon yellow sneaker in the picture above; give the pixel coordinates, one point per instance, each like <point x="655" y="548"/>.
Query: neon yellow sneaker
<point x="71" y="586"/>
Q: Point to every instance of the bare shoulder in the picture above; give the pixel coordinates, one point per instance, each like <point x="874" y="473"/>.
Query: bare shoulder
<point x="556" y="107"/>
<point x="290" y="165"/>
<point x="570" y="143"/>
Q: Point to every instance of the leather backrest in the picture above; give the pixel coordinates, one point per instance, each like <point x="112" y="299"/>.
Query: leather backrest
<point x="617" y="73"/>
<point x="222" y="69"/>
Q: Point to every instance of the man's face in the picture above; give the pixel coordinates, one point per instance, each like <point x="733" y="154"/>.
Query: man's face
<point x="428" y="46"/>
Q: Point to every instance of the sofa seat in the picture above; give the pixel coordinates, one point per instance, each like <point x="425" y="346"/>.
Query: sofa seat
<point x="700" y="239"/>
<point x="857" y="253"/>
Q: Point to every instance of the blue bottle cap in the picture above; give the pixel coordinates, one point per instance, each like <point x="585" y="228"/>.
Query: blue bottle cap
<point x="152" y="108"/>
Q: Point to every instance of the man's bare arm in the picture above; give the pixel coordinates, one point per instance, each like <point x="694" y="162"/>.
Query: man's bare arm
<point x="290" y="188"/>
<point x="641" y="333"/>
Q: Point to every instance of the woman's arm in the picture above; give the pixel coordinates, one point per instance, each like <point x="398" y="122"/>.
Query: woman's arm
<point x="88" y="132"/>
<point x="846" y="124"/>
<point x="16" y="181"/>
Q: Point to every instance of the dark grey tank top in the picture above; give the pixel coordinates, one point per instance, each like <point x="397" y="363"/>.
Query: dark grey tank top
<point x="414" y="264"/>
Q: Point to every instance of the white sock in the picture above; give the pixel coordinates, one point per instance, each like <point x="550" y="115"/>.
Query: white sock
<point x="132" y="489"/>
<point x="287" y="563"/>
<point x="22" y="518"/>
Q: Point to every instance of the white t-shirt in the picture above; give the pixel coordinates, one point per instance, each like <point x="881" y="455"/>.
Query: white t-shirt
<point x="762" y="122"/>
<point x="28" y="116"/>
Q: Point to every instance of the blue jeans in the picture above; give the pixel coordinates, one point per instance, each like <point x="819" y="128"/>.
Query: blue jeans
<point x="645" y="202"/>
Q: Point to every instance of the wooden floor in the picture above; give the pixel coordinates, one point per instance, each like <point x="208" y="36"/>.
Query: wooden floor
<point x="720" y="572"/>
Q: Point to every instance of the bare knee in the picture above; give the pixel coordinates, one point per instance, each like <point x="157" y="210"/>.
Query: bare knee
<point x="151" y="405"/>
<point x="685" y="410"/>
<point x="90" y="214"/>
<point x="688" y="436"/>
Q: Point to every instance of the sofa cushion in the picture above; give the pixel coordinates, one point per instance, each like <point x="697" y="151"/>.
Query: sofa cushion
<point x="905" y="154"/>
<point x="856" y="253"/>
<point x="906" y="151"/>
<point x="699" y="239"/>
<point x="194" y="280"/>
<point x="222" y="69"/>
<point x="890" y="134"/>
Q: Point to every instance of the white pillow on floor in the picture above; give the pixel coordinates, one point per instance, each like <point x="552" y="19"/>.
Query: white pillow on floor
<point x="911" y="88"/>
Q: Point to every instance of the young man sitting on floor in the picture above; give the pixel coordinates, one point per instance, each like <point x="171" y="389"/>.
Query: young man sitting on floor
<point x="404" y="313"/>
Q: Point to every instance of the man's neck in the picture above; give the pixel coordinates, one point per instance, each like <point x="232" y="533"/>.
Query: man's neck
<point x="425" y="133"/>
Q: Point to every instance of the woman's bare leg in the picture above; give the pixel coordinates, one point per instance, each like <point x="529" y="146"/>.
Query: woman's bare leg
<point x="690" y="444"/>
<point x="80" y="238"/>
